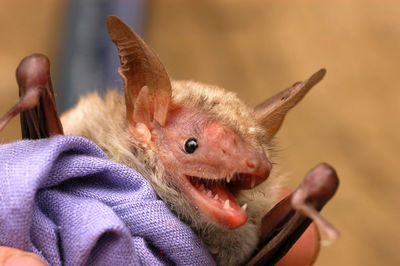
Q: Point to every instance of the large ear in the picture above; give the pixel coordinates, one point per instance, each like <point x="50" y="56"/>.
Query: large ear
<point x="271" y="112"/>
<point x="143" y="75"/>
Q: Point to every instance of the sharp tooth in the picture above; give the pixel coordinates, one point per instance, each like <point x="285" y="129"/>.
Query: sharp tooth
<point x="226" y="205"/>
<point x="216" y="197"/>
<point x="253" y="181"/>
<point x="244" y="207"/>
<point x="209" y="193"/>
<point x="228" y="179"/>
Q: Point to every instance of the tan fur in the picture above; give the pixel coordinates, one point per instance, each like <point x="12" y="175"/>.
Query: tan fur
<point x="104" y="122"/>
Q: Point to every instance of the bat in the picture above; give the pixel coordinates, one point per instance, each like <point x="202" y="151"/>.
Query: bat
<point x="206" y="153"/>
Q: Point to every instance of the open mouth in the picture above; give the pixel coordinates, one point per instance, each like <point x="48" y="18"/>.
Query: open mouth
<point x="216" y="197"/>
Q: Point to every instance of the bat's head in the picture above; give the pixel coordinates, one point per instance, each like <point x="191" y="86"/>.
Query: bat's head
<point x="211" y="150"/>
<point x="211" y="144"/>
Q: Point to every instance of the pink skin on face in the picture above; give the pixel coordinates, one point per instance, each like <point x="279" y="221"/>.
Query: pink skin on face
<point x="221" y="165"/>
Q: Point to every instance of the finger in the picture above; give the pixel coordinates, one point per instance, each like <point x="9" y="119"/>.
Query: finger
<point x="306" y="249"/>
<point x="15" y="257"/>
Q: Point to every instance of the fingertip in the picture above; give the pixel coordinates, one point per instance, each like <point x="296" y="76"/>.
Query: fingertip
<point x="305" y="250"/>
<point x="15" y="257"/>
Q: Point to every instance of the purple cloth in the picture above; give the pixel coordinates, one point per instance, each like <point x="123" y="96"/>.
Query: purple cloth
<point x="64" y="200"/>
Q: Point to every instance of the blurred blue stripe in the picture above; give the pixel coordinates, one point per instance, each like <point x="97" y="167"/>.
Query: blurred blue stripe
<point x="89" y="60"/>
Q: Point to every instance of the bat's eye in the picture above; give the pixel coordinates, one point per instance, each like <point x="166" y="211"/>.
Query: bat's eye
<point x="191" y="145"/>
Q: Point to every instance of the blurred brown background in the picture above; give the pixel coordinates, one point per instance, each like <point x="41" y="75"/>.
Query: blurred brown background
<point x="256" y="48"/>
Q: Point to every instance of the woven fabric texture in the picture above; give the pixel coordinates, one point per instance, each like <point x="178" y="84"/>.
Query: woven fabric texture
<point x="63" y="199"/>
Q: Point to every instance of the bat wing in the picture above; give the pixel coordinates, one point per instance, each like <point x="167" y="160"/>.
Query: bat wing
<point x="286" y="222"/>
<point x="39" y="117"/>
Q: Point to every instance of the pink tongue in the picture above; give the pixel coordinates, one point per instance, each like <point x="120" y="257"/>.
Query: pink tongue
<point x="218" y="203"/>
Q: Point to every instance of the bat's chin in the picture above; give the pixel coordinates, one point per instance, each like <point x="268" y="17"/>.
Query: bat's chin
<point x="216" y="200"/>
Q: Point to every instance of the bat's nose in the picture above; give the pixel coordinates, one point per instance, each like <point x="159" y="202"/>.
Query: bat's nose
<point x="251" y="164"/>
<point x="261" y="166"/>
<point x="254" y="164"/>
